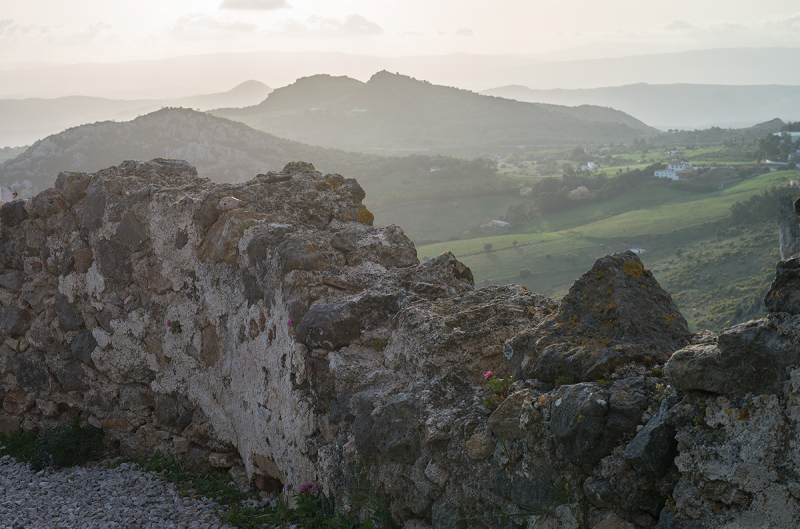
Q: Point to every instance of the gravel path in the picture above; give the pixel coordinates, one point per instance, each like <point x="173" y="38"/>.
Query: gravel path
<point x="91" y="497"/>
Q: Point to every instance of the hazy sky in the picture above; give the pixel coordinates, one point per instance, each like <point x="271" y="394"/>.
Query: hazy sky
<point x="113" y="30"/>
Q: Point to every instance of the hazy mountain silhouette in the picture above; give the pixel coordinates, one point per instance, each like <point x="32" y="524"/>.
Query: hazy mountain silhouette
<point x="26" y="120"/>
<point x="393" y="111"/>
<point x="676" y="106"/>
<point x="223" y="150"/>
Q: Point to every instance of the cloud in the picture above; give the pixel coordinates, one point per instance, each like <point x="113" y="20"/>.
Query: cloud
<point x="254" y="5"/>
<point x="315" y="26"/>
<point x="679" y="25"/>
<point x="199" y="26"/>
<point x="16" y="34"/>
<point x="464" y="32"/>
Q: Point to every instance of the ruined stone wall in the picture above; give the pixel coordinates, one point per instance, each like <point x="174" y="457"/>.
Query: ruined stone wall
<point x="270" y="319"/>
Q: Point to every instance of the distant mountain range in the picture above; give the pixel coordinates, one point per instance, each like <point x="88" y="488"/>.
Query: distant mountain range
<point x="222" y="150"/>
<point x="397" y="112"/>
<point x="177" y="76"/>
<point x="676" y="106"/>
<point x="26" y="120"/>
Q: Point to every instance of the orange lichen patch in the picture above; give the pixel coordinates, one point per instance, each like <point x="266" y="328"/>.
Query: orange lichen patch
<point x="366" y="216"/>
<point x="330" y="183"/>
<point x="633" y="269"/>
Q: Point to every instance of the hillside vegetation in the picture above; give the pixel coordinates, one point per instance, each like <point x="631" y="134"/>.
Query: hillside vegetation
<point x="393" y="111"/>
<point x="695" y="249"/>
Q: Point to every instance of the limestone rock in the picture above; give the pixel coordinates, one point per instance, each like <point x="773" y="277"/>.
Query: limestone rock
<point x="115" y="261"/>
<point x="784" y="293"/>
<point x="72" y="185"/>
<point x="12" y="280"/>
<point x="749" y="357"/>
<point x="47" y="203"/>
<point x="69" y="318"/>
<point x="13" y="213"/>
<point x="330" y="326"/>
<point x="480" y="446"/>
<point x="298" y="254"/>
<point x="614" y="314"/>
<point x="652" y="452"/>
<point x="15" y="320"/>
<point x="220" y="243"/>
<point x="587" y="420"/>
<point x="223" y="460"/>
<point x="130" y="232"/>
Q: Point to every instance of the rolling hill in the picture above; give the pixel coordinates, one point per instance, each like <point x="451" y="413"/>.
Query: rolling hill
<point x="26" y="120"/>
<point x="676" y="106"/>
<point x="397" y="112"/>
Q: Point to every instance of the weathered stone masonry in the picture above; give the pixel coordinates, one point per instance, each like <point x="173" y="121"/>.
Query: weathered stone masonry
<point x="320" y="349"/>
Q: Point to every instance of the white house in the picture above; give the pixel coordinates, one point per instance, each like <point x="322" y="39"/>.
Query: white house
<point x="680" y="166"/>
<point x="638" y="251"/>
<point x="497" y="224"/>
<point x="672" y="175"/>
<point x="590" y="166"/>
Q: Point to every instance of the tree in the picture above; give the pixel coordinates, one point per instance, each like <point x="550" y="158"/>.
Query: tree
<point x="487" y="247"/>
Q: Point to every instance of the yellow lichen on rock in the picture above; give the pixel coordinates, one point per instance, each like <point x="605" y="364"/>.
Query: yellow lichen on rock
<point x="633" y="269"/>
<point x="366" y="216"/>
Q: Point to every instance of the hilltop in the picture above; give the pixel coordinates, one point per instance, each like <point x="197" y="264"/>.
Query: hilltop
<point x="393" y="111"/>
<point x="675" y="106"/>
<point x="31" y="119"/>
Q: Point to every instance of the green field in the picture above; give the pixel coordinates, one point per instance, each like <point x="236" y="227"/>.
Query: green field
<point x="552" y="250"/>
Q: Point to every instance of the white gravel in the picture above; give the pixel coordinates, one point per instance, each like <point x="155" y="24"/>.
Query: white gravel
<point x="93" y="497"/>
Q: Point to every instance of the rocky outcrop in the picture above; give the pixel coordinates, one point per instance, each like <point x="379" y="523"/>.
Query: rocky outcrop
<point x="613" y="315"/>
<point x="269" y="327"/>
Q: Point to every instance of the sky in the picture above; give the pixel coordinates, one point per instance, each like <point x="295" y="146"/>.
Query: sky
<point x="61" y="31"/>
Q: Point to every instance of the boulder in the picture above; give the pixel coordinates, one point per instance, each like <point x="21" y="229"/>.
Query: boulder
<point x="130" y="232"/>
<point x="614" y="314"/>
<point x="33" y="371"/>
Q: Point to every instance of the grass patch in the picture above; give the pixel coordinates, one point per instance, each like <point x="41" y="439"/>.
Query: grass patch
<point x="301" y="507"/>
<point x="66" y="445"/>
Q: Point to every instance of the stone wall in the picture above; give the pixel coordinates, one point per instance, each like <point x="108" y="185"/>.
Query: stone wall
<point x="270" y="325"/>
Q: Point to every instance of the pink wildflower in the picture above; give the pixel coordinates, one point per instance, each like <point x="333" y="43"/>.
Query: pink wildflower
<point x="169" y="323"/>
<point x="309" y="488"/>
<point x="488" y="375"/>
<point x="288" y="486"/>
<point x="291" y="322"/>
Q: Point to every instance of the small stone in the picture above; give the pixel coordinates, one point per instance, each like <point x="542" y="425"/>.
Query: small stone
<point x="15" y="402"/>
<point x="505" y="420"/>
<point x="15" y="320"/>
<point x="8" y="424"/>
<point x="181" y="444"/>
<point x="47" y="203"/>
<point x="614" y="522"/>
<point x="48" y="408"/>
<point x="480" y="446"/>
<point x="68" y="316"/>
<point x="13" y="213"/>
<point x="72" y="185"/>
<point x="93" y="209"/>
<point x="12" y="280"/>
<point x="330" y="326"/>
<point x="130" y="232"/>
<point x="223" y="459"/>
<point x="115" y="261"/>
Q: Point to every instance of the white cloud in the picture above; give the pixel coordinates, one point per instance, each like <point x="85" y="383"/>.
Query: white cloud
<point x="23" y="35"/>
<point x="200" y="26"/>
<point x="254" y="5"/>
<point x="464" y="32"/>
<point x="315" y="26"/>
